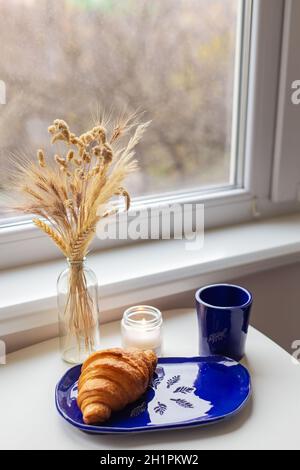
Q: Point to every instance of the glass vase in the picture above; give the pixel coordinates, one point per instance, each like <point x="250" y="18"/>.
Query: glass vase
<point x="77" y="295"/>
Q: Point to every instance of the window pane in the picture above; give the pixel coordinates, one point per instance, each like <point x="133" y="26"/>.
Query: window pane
<point x="174" y="59"/>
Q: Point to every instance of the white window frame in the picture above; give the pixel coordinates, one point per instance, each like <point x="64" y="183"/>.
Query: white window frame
<point x="254" y="135"/>
<point x="286" y="171"/>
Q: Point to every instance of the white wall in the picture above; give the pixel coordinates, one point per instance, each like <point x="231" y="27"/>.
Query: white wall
<point x="276" y="309"/>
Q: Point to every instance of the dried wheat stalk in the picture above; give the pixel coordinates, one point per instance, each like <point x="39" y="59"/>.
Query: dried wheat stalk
<point x="67" y="192"/>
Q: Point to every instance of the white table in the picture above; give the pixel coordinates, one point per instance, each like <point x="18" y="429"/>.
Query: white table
<point x="29" y="420"/>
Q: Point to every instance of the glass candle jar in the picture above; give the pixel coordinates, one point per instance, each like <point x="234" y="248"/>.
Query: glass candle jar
<point x="142" y="328"/>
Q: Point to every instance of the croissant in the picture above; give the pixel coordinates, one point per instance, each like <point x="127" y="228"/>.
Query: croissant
<point x="111" y="379"/>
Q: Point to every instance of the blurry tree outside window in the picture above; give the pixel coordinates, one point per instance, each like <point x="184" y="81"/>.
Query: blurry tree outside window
<point x="173" y="59"/>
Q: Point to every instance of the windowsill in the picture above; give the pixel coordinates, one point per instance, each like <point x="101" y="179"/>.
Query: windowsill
<point x="150" y="270"/>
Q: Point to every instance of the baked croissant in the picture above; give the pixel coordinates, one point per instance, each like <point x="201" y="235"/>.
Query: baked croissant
<point x="111" y="379"/>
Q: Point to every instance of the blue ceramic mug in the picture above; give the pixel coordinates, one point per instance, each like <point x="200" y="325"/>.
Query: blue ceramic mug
<point x="223" y="317"/>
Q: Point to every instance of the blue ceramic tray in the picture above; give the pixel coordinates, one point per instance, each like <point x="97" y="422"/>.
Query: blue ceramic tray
<point x="185" y="392"/>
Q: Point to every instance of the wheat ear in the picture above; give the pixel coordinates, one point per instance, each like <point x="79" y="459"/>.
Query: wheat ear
<point x="81" y="241"/>
<point x="52" y="234"/>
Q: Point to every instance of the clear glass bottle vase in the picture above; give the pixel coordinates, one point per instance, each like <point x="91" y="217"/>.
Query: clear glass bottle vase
<point x="77" y="295"/>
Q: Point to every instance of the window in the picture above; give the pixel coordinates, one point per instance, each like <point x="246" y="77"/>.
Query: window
<point x="174" y="59"/>
<point x="207" y="72"/>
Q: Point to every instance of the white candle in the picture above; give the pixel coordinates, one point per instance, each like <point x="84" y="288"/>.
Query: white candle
<point x="142" y="328"/>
